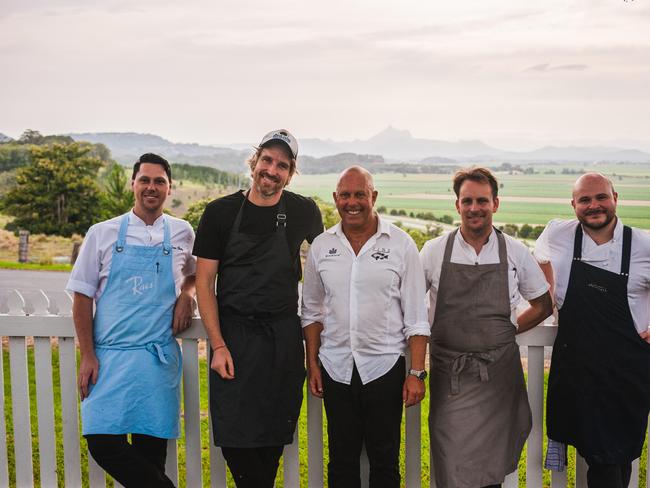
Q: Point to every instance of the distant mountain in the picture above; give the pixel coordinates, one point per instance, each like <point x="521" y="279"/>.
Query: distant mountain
<point x="4" y="138"/>
<point x="392" y="147"/>
<point x="127" y="147"/>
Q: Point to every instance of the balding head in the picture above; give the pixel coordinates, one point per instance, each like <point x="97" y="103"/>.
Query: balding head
<point x="357" y="171"/>
<point x="589" y="180"/>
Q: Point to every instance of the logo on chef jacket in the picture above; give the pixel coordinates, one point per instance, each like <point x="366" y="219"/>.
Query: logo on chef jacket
<point x="380" y="254"/>
<point x="600" y="288"/>
<point x="332" y="253"/>
<point x="138" y="285"/>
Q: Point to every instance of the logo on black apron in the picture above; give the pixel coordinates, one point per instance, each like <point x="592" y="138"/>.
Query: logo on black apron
<point x="601" y="289"/>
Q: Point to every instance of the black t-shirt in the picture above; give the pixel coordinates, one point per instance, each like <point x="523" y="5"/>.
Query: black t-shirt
<point x="304" y="222"/>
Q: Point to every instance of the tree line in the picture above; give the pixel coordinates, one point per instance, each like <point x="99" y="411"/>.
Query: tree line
<point x="56" y="186"/>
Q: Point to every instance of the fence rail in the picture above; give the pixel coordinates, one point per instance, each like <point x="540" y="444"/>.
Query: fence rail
<point x="41" y="320"/>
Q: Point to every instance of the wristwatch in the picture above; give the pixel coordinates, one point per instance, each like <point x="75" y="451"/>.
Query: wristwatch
<point x="420" y="374"/>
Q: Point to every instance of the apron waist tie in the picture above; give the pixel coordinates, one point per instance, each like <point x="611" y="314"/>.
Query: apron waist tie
<point x="459" y="364"/>
<point x="153" y="347"/>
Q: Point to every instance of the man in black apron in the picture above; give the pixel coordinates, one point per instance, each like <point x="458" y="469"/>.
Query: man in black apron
<point x="599" y="391"/>
<point x="479" y="415"/>
<point x="252" y="240"/>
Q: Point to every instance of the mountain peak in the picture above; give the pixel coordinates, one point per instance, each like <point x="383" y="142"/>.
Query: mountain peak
<point x="391" y="133"/>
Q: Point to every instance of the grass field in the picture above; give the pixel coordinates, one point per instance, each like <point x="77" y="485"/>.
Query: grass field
<point x="545" y="192"/>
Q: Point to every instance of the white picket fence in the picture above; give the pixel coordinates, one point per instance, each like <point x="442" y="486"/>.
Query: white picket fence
<point x="43" y="319"/>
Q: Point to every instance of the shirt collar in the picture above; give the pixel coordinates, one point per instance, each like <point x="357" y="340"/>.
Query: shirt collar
<point x="383" y="227"/>
<point x="461" y="240"/>
<point x="618" y="231"/>
<point x="135" y="220"/>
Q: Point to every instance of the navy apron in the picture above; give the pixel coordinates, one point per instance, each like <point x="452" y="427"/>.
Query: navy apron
<point x="138" y="386"/>
<point x="257" y="293"/>
<point x="598" y="389"/>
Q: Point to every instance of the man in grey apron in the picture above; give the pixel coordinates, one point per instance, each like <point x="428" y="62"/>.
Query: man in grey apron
<point x="252" y="240"/>
<point x="133" y="266"/>
<point x="598" y="390"/>
<point x="479" y="415"/>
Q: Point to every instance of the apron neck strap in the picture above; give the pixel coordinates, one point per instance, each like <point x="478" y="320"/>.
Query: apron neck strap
<point x="121" y="235"/>
<point x="167" y="241"/>
<point x="449" y="246"/>
<point x="503" y="253"/>
<point x="577" y="243"/>
<point x="627" y="246"/>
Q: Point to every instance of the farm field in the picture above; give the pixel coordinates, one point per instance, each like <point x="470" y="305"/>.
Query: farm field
<point x="526" y="199"/>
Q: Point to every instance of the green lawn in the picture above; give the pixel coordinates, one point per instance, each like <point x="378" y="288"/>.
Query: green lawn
<point x="204" y="434"/>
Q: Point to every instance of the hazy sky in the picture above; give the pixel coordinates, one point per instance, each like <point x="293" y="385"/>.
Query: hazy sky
<point x="511" y="73"/>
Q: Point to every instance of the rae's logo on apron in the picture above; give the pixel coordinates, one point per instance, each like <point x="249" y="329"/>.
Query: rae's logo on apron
<point x="138" y="285"/>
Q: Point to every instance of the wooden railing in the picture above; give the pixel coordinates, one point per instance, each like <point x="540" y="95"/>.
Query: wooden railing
<point x="43" y="322"/>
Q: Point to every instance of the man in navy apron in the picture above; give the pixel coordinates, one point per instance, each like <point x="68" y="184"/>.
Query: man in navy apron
<point x="139" y="272"/>
<point x="252" y="240"/>
<point x="599" y="388"/>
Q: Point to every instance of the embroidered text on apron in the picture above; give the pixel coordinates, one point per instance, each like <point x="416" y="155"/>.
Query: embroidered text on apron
<point x="479" y="415"/>
<point x="257" y="275"/>
<point x="598" y="389"/>
<point x="138" y="386"/>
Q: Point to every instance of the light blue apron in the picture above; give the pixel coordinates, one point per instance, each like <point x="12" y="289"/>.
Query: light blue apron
<point x="138" y="387"/>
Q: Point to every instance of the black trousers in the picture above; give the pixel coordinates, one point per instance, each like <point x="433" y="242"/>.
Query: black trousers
<point x="368" y="414"/>
<point x="140" y="464"/>
<point x="608" y="475"/>
<point x="254" y="467"/>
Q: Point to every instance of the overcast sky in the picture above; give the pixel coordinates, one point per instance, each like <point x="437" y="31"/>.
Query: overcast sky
<point x="515" y="74"/>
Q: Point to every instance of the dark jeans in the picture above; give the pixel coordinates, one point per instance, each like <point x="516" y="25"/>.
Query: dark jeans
<point x="608" y="475"/>
<point x="368" y="414"/>
<point x="140" y="464"/>
<point x="253" y="467"/>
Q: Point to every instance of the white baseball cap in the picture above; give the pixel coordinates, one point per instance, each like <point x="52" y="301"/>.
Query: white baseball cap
<point x="281" y="135"/>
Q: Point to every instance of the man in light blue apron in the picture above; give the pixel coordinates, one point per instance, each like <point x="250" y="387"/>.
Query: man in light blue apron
<point x="139" y="271"/>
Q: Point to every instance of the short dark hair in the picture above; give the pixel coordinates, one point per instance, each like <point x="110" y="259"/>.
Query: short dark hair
<point x="478" y="174"/>
<point x="152" y="159"/>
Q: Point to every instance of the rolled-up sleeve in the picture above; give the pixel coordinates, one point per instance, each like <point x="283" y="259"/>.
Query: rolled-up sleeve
<point x="413" y="294"/>
<point x="542" y="251"/>
<point x="313" y="293"/>
<point x="84" y="277"/>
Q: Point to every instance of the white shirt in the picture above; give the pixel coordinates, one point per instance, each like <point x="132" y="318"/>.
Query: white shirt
<point x="90" y="272"/>
<point x="369" y="304"/>
<point x="555" y="245"/>
<point x="525" y="277"/>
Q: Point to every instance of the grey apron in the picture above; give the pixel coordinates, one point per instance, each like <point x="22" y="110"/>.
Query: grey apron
<point x="479" y="415"/>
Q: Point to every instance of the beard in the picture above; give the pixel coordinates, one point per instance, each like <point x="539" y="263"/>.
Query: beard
<point x="609" y="217"/>
<point x="267" y="185"/>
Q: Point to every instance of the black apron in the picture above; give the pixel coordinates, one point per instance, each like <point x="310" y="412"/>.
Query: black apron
<point x="599" y="387"/>
<point x="257" y="293"/>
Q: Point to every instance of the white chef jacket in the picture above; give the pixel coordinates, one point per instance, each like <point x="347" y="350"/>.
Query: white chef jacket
<point x="555" y="245"/>
<point x="369" y="304"/>
<point x="90" y="272"/>
<point x="525" y="277"/>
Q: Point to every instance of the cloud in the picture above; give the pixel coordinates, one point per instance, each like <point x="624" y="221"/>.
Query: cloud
<point x="546" y="67"/>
